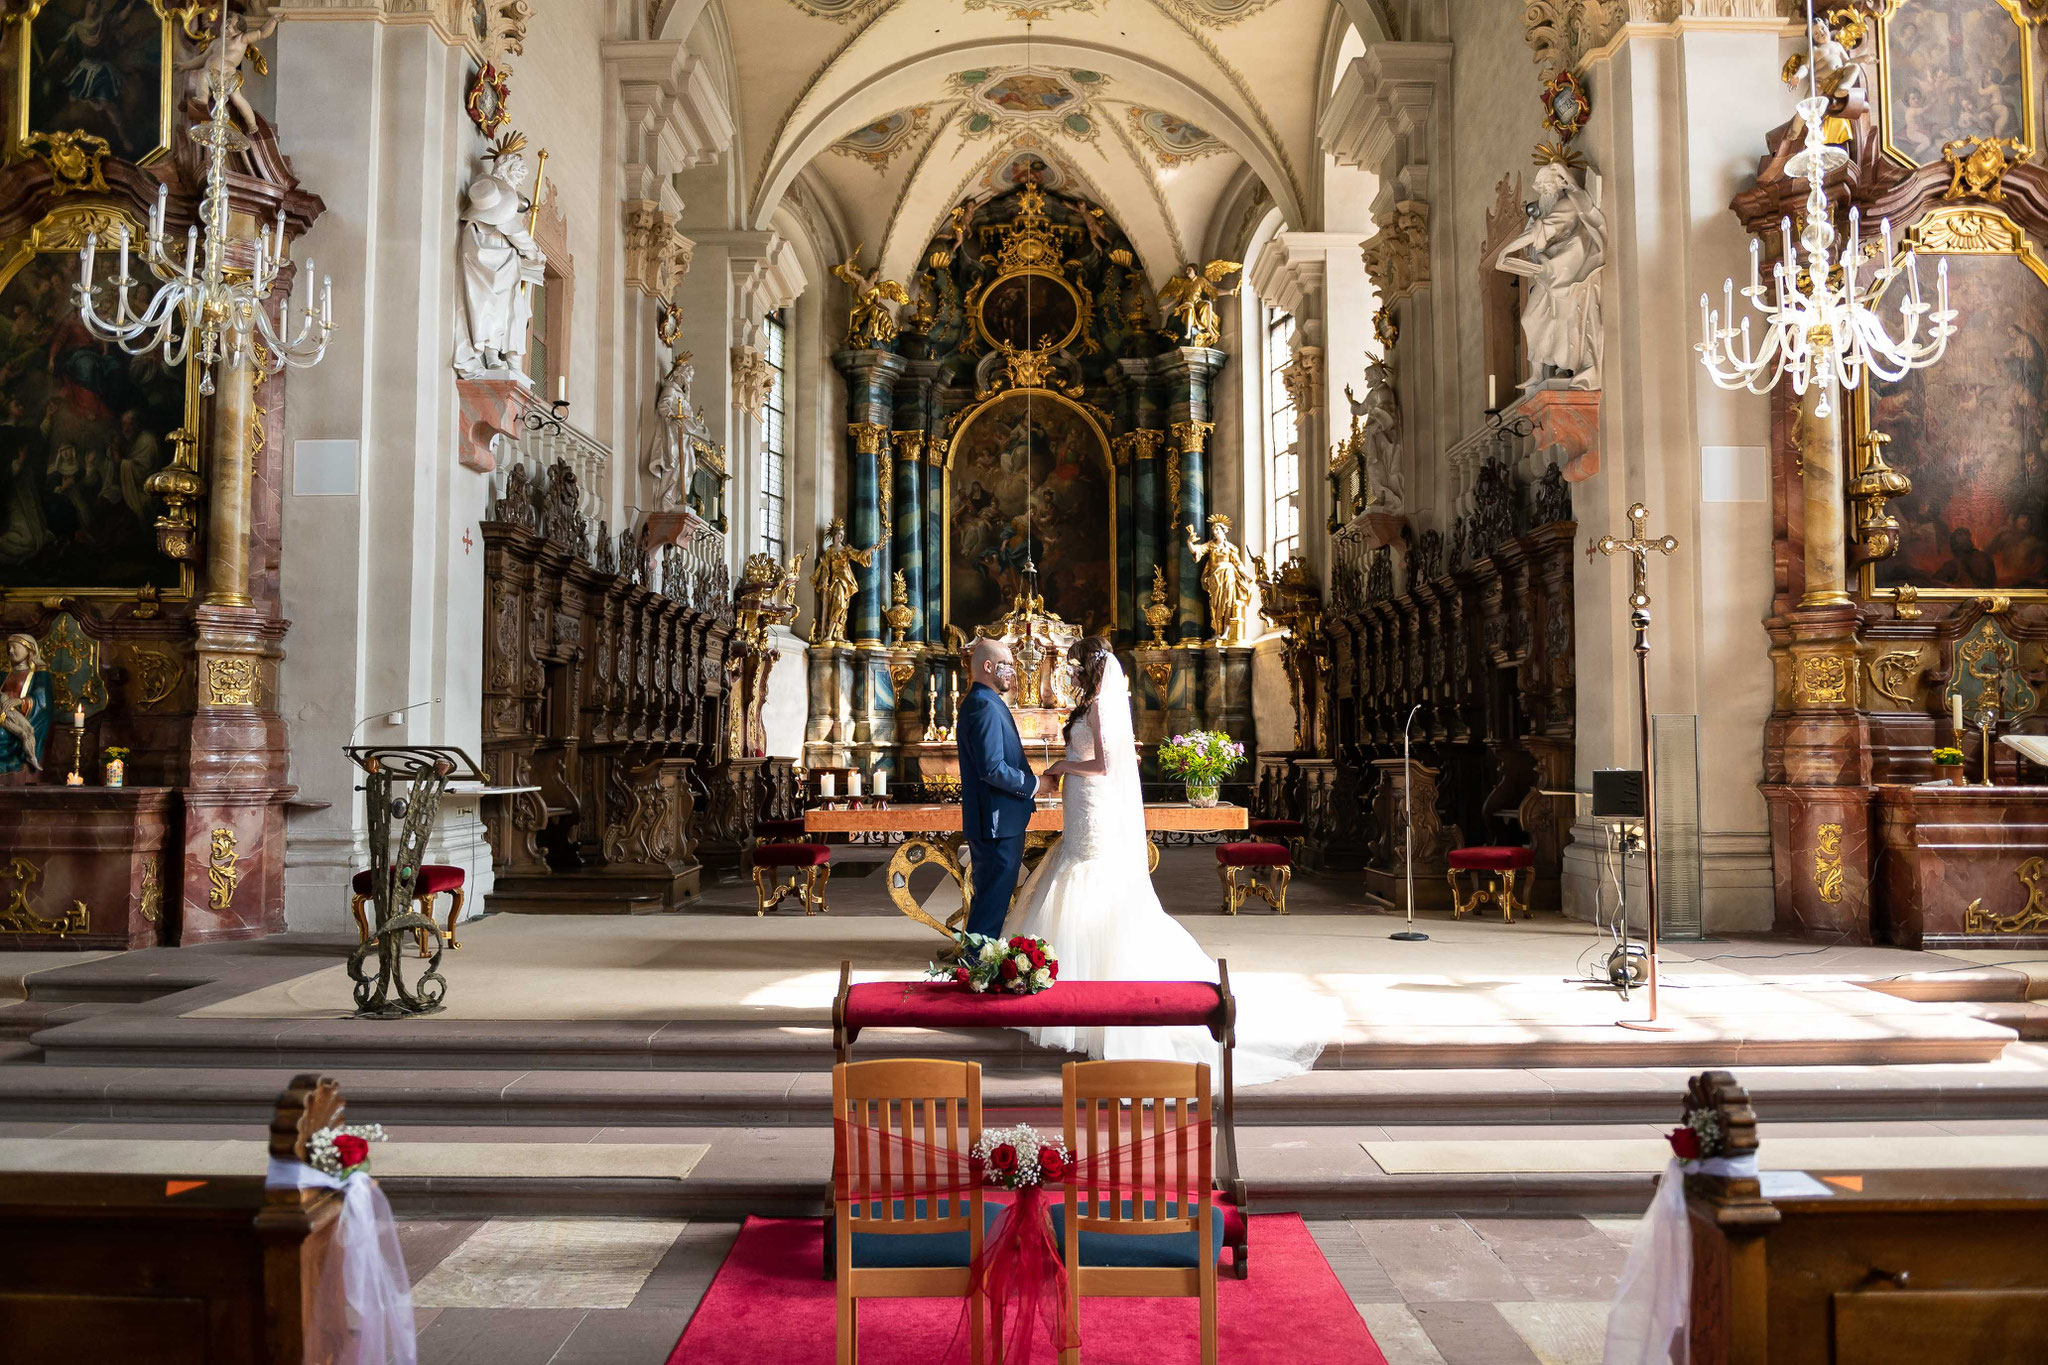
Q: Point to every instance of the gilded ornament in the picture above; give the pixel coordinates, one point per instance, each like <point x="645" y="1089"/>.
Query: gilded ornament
<point x="19" y="916"/>
<point x="150" y="896"/>
<point x="1188" y="300"/>
<point x="1878" y="484"/>
<point x="2032" y="915"/>
<point x="490" y="91"/>
<point x="900" y="615"/>
<point x="1967" y="232"/>
<point x="1823" y="680"/>
<point x="901" y="674"/>
<point x="1827" y="864"/>
<point x="1565" y="105"/>
<point x="1906" y="602"/>
<point x="230" y="681"/>
<point x="221" y="874"/>
<point x="1896" y="674"/>
<point x="157" y="675"/>
<point x="869" y="323"/>
<point x="1158" y="615"/>
<point x="1160" y="671"/>
<point x="1977" y="166"/>
<point x="885" y="488"/>
<point x="1385" y="329"/>
<point x="75" y="160"/>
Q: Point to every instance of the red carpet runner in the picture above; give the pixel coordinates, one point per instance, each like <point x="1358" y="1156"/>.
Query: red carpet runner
<point x="769" y="1304"/>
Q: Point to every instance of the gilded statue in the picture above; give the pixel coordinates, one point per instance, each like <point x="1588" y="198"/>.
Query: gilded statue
<point x="832" y="579"/>
<point x="1188" y="300"/>
<point x="1228" y="577"/>
<point x="1836" y="73"/>
<point x="870" y="324"/>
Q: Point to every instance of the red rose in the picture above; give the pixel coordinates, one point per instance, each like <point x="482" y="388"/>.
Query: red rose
<point x="1053" y="969"/>
<point x="1009" y="969"/>
<point x="1002" y="1158"/>
<point x="1052" y="1164"/>
<point x="1686" y="1143"/>
<point x="352" y="1150"/>
<point x="1020" y="943"/>
<point x="962" y="975"/>
<point x="1037" y="957"/>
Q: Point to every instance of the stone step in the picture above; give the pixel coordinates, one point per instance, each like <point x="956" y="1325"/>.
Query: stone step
<point x="2014" y="1088"/>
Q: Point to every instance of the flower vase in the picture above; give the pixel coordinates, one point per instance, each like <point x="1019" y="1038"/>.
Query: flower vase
<point x="1201" y="794"/>
<point x="1950" y="772"/>
<point x="117" y="772"/>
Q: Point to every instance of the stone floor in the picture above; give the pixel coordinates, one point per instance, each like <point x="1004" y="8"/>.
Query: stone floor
<point x="615" y="1291"/>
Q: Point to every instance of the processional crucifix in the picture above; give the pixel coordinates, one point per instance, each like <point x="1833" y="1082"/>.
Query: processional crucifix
<point x="1637" y="547"/>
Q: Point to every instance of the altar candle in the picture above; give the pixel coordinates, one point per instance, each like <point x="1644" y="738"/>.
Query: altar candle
<point x="828" y="784"/>
<point x="1492" y="395"/>
<point x="1955" y="712"/>
<point x="78" y="717"/>
<point x="881" y="782"/>
<point x="561" y="388"/>
<point x="853" y="783"/>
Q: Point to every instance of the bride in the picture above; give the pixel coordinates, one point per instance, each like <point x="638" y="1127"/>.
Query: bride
<point x="1092" y="898"/>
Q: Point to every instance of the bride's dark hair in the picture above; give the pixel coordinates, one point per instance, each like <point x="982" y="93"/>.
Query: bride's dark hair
<point x="1090" y="657"/>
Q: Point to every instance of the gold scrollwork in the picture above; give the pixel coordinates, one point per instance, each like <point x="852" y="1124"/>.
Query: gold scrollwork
<point x="1895" y="674"/>
<point x="230" y="681"/>
<point x="1977" y="166"/>
<point x="1160" y="672"/>
<point x="75" y="160"/>
<point x="222" y="875"/>
<point x="2032" y="915"/>
<point x="18" y="916"/>
<point x="157" y="675"/>
<point x="150" y="895"/>
<point x="1827" y="864"/>
<point x="1823" y="680"/>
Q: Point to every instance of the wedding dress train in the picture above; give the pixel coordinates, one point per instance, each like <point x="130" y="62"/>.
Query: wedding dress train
<point x="1092" y="900"/>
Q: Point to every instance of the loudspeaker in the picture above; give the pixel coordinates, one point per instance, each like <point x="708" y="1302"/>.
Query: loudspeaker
<point x="1617" y="794"/>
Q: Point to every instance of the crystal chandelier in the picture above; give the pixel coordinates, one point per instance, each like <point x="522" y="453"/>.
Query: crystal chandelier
<point x="1821" y="325"/>
<point x="223" y="310"/>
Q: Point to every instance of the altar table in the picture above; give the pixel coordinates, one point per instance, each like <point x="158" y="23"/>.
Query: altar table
<point x="1069" y="1004"/>
<point x="943" y="851"/>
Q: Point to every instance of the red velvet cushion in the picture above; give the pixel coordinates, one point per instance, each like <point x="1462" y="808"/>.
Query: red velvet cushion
<point x="1278" y="829"/>
<point x="1254" y="855"/>
<point x="940" y="1004"/>
<point x="433" y="880"/>
<point x="1491" y="859"/>
<point x="791" y="855"/>
<point x="780" y="831"/>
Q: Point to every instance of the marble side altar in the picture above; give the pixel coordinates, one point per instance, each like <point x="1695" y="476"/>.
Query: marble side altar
<point x="1963" y="867"/>
<point x="83" y="867"/>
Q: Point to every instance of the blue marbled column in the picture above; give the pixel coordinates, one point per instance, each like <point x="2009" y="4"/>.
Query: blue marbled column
<point x="910" y="524"/>
<point x="935" y="540"/>
<point x="1193" y="511"/>
<point x="870" y="407"/>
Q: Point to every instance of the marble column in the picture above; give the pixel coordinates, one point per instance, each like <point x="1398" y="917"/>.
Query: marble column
<point x="870" y="407"/>
<point x="1187" y="476"/>
<point x="907" y="540"/>
<point x="1826" y="550"/>
<point x="934" y="601"/>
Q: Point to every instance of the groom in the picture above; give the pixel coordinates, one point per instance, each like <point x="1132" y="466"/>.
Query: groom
<point x="996" y="786"/>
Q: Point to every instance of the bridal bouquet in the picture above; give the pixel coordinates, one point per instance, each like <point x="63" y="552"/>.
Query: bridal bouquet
<point x="1016" y="966"/>
<point x="1013" y="1158"/>
<point x="343" y="1149"/>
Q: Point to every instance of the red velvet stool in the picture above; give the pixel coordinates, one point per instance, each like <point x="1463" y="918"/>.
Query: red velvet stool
<point x="1496" y="870"/>
<point x="433" y="880"/>
<point x="809" y="867"/>
<point x="1273" y="859"/>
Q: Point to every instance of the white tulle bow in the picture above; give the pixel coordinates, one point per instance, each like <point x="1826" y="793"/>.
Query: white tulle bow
<point x="367" y="1279"/>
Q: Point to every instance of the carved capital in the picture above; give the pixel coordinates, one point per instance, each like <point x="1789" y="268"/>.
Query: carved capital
<point x="1397" y="256"/>
<point x="657" y="256"/>
<point x="868" y="437"/>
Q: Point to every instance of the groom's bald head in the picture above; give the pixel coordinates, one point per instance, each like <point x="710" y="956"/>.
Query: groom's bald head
<point x="989" y="661"/>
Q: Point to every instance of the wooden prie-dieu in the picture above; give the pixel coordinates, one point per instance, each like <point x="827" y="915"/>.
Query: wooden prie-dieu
<point x="605" y="686"/>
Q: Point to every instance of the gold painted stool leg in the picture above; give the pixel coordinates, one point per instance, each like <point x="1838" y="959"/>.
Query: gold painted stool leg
<point x="455" y="898"/>
<point x="355" y="907"/>
<point x="1231" y="898"/>
<point x="763" y="878"/>
<point x="1281" y="876"/>
<point x="814" y="888"/>
<point x="425" y="905"/>
<point x="1459" y="904"/>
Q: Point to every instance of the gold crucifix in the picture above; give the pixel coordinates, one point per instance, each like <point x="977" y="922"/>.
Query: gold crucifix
<point x="1638" y="549"/>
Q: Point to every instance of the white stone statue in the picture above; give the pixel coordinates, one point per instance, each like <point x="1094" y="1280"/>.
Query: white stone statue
<point x="490" y="336"/>
<point x="1376" y="427"/>
<point x="671" y="454"/>
<point x="1560" y="253"/>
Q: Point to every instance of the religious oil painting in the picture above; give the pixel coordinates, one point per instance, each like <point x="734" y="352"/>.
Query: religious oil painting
<point x="1037" y="452"/>
<point x="98" y="66"/>
<point x="1969" y="433"/>
<point x="1029" y="312"/>
<point x="1954" y="68"/>
<point x="82" y="427"/>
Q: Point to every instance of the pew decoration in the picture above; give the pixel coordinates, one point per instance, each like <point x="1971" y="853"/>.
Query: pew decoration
<point x="1016" y="966"/>
<point x="1653" y="1302"/>
<point x="366" y="1285"/>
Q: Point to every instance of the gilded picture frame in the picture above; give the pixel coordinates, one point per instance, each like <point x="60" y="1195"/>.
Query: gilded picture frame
<point x="31" y="28"/>
<point x="62" y="232"/>
<point x="957" y="430"/>
<point x="977" y="311"/>
<point x="1962" y="231"/>
<point x="1890" y="42"/>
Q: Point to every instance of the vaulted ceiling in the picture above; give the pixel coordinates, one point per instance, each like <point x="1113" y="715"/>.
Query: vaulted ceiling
<point x="1167" y="112"/>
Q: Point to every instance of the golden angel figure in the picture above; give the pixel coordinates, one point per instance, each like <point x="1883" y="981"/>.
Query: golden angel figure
<point x="832" y="578"/>
<point x="869" y="325"/>
<point x="1228" y="578"/>
<point x="1189" y="300"/>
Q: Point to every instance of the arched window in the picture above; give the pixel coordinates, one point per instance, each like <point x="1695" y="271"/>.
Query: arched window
<point x="773" y="468"/>
<point x="1283" y="519"/>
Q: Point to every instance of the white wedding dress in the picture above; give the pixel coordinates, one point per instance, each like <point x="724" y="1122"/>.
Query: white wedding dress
<point x="1092" y="900"/>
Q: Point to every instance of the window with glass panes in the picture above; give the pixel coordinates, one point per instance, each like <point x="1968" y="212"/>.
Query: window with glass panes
<point x="774" y="467"/>
<point x="539" y="363"/>
<point x="1283" y="525"/>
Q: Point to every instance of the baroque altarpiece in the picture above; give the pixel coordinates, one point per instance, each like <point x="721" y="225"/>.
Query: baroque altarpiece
<point x="1028" y="455"/>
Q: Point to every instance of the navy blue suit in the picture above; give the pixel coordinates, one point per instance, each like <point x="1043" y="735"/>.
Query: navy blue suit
<point x="996" y="791"/>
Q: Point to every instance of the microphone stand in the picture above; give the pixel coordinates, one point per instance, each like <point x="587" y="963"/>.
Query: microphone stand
<point x="1409" y="935"/>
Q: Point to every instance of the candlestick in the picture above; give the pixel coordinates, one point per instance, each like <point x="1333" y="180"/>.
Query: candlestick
<point x="78" y="717"/>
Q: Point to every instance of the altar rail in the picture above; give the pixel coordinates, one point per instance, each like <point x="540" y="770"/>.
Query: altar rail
<point x="604" y="685"/>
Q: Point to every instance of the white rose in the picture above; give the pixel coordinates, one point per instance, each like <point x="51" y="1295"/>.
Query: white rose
<point x="977" y="985"/>
<point x="990" y="952"/>
<point x="1041" y="978"/>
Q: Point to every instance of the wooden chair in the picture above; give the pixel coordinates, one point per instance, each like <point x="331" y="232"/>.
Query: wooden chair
<point x="895" y="1248"/>
<point x="1164" y="1243"/>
